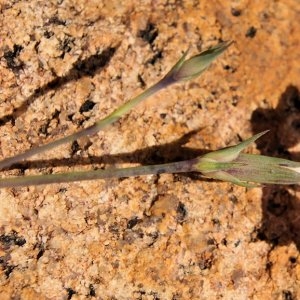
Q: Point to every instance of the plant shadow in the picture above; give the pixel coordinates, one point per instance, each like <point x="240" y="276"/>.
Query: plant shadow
<point x="159" y="154"/>
<point x="280" y="206"/>
<point x="87" y="67"/>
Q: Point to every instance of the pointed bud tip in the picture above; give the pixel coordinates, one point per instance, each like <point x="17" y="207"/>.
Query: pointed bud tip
<point x="194" y="66"/>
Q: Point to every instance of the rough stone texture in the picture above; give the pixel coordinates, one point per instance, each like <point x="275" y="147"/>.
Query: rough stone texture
<point x="64" y="64"/>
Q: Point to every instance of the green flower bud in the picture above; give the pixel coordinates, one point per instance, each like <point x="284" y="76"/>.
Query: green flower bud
<point x="194" y="66"/>
<point x="229" y="164"/>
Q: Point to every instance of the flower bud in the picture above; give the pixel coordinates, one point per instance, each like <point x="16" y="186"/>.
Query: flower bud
<point x="229" y="164"/>
<point x="194" y="66"/>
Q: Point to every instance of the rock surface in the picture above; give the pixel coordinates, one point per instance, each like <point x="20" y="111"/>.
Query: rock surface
<point x="65" y="64"/>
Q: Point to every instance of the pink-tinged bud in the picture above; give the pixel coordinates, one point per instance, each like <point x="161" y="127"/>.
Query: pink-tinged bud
<point x="229" y="164"/>
<point x="194" y="66"/>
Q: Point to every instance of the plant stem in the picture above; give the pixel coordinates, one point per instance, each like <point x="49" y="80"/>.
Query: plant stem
<point x="114" y="116"/>
<point x="175" y="167"/>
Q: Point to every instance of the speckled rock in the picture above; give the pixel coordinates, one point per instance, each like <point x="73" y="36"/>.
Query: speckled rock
<point x="65" y="64"/>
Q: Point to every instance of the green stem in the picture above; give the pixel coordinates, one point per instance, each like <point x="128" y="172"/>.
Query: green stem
<point x="182" y="70"/>
<point x="99" y="125"/>
<point x="176" y="167"/>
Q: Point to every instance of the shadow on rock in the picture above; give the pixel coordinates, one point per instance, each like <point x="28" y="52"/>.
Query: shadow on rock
<point x="87" y="67"/>
<point x="281" y="207"/>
